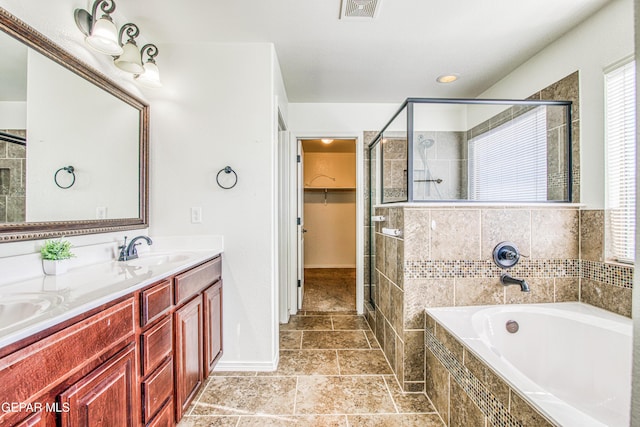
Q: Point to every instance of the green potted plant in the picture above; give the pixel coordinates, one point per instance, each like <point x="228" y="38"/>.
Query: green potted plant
<point x="55" y="254"/>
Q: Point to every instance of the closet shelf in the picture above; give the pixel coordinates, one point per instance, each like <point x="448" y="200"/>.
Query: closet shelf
<point x="329" y="188"/>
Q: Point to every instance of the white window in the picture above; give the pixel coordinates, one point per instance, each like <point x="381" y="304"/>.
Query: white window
<point x="494" y="172"/>
<point x="620" y="126"/>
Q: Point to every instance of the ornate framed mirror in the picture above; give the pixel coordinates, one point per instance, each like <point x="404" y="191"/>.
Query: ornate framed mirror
<point x="74" y="145"/>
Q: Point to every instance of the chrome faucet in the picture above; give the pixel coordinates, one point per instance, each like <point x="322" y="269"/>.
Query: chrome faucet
<point x="507" y="280"/>
<point x="130" y="251"/>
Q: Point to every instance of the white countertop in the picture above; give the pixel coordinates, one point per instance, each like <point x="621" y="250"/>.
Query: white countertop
<point x="84" y="288"/>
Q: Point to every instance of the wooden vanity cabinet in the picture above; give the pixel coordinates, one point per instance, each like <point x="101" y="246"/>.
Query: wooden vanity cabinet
<point x="137" y="361"/>
<point x="48" y="373"/>
<point x="198" y="343"/>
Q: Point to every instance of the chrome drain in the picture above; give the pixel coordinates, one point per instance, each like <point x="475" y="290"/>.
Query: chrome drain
<point x="512" y="326"/>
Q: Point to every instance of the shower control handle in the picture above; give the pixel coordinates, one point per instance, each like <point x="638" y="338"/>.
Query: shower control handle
<point x="506" y="255"/>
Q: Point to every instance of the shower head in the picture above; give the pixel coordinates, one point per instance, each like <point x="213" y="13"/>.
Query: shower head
<point x="425" y="143"/>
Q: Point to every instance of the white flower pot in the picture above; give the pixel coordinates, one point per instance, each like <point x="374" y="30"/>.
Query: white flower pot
<point x="54" y="267"/>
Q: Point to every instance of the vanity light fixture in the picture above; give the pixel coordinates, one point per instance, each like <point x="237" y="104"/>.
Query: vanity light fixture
<point x="101" y="34"/>
<point x="447" y="78"/>
<point x="130" y="60"/>
<point x="326" y="141"/>
<point x="151" y="75"/>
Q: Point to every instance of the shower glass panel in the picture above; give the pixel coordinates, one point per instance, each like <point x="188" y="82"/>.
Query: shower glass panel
<point x="476" y="150"/>
<point x="373" y="169"/>
<point x="470" y="150"/>
<point x="394" y="159"/>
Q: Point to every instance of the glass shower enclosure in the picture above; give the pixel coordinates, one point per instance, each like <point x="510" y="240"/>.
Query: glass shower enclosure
<point x="469" y="150"/>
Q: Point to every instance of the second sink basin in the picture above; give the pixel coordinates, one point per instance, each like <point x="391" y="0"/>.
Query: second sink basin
<point x="157" y="259"/>
<point x="18" y="308"/>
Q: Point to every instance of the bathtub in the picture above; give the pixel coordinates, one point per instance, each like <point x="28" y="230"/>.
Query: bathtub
<point x="572" y="361"/>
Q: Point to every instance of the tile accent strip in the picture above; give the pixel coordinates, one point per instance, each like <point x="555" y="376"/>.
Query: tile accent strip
<point x="488" y="403"/>
<point x="608" y="273"/>
<point x="611" y="274"/>
<point x="468" y="269"/>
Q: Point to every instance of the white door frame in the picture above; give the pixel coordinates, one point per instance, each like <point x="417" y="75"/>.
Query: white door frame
<point x="300" y="223"/>
<point x="295" y="137"/>
<point x="287" y="239"/>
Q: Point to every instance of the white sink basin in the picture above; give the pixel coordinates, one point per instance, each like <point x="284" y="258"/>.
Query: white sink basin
<point x="18" y="308"/>
<point x="157" y="259"/>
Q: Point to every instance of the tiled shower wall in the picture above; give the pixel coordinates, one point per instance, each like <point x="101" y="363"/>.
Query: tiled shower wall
<point x="13" y="158"/>
<point x="608" y="284"/>
<point x="394" y="179"/>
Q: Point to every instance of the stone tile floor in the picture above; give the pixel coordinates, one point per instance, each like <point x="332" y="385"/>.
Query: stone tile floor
<point x="329" y="289"/>
<point x="331" y="373"/>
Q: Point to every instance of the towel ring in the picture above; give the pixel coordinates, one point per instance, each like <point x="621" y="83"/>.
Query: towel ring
<point x="69" y="169"/>
<point x="227" y="170"/>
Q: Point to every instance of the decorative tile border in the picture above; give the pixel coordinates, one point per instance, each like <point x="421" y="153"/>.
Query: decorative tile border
<point x="608" y="273"/>
<point x="488" y="403"/>
<point x="426" y="269"/>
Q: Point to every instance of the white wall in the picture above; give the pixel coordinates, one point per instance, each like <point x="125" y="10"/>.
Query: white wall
<point x="13" y="115"/>
<point x="216" y="109"/>
<point x="330" y="219"/>
<point x="602" y="40"/>
<point x="310" y="119"/>
<point x="330" y="241"/>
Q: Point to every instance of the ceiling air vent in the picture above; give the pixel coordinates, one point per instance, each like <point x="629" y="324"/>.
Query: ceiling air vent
<point x="359" y="9"/>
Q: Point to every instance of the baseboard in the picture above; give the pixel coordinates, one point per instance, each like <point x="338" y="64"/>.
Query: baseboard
<point x="228" y="366"/>
<point x="330" y="266"/>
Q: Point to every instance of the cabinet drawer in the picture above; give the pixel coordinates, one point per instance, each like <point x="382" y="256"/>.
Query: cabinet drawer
<point x="165" y="417"/>
<point x="154" y="302"/>
<point x="34" y="420"/>
<point x="156" y="344"/>
<point x="38" y="367"/>
<point x="157" y="389"/>
<point x="195" y="280"/>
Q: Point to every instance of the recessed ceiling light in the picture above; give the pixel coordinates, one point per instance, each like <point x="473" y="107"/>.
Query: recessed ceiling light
<point x="326" y="141"/>
<point x="447" y="78"/>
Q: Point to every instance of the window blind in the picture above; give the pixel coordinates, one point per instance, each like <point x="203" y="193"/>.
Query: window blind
<point x="494" y="172"/>
<point x="620" y="122"/>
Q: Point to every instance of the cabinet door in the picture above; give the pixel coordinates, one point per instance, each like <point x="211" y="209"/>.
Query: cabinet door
<point x="212" y="326"/>
<point x="107" y="396"/>
<point x="188" y="353"/>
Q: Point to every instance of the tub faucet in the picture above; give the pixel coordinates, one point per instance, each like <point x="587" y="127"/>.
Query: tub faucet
<point x="130" y="251"/>
<point x="507" y="280"/>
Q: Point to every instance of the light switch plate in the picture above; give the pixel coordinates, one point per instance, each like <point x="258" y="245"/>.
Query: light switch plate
<point x="196" y="215"/>
<point x="101" y="212"/>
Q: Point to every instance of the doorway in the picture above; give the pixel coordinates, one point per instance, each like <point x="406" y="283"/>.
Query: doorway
<point x="328" y="225"/>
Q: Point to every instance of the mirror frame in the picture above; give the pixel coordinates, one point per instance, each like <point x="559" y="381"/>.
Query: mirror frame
<point x="11" y="232"/>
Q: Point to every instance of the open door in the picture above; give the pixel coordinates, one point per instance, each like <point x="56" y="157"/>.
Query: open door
<point x="300" y="219"/>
